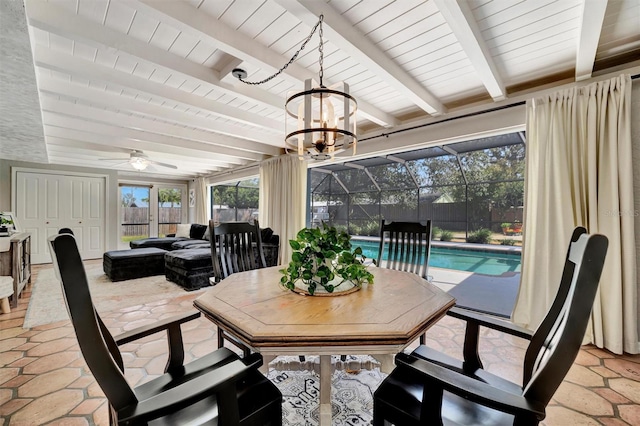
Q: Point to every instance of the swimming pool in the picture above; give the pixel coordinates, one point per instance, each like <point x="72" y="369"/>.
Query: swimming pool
<point x="480" y="262"/>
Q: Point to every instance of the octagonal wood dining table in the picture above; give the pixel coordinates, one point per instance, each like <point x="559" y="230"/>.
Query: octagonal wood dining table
<point x="379" y="320"/>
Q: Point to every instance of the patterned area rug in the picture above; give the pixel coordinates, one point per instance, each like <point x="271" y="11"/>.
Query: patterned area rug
<point x="47" y="306"/>
<point x="351" y="394"/>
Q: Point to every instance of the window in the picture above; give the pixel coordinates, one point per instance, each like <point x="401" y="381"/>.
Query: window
<point x="236" y="201"/>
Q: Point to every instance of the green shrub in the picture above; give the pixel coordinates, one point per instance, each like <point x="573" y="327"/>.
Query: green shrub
<point x="435" y="231"/>
<point x="446" y="235"/>
<point x="371" y="229"/>
<point x="508" y="242"/>
<point x="505" y="225"/>
<point x="481" y="236"/>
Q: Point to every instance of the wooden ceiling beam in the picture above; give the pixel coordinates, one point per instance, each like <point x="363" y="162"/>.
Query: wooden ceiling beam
<point x="342" y="33"/>
<point x="95" y="96"/>
<point x="460" y="19"/>
<point x="190" y="20"/>
<point x="75" y="66"/>
<point x="593" y="12"/>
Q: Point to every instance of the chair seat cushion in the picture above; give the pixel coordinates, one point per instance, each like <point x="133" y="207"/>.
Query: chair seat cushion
<point x="122" y="265"/>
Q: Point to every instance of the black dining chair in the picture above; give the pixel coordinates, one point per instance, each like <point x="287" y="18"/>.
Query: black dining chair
<point x="406" y="246"/>
<point x="429" y="387"/>
<point x="235" y="247"/>
<point x="219" y="388"/>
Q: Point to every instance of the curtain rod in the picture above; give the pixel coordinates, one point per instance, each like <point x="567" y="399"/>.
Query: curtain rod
<point x="471" y="114"/>
<point x="387" y="134"/>
<point x="420" y="126"/>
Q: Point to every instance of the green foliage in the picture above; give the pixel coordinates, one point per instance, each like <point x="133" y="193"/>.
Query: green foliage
<point x="243" y="195"/>
<point x="5" y="221"/>
<point x="171" y="196"/>
<point x="446" y="235"/>
<point x="481" y="236"/>
<point x="508" y="242"/>
<point x="505" y="225"/>
<point x="322" y="254"/>
<point x="435" y="231"/>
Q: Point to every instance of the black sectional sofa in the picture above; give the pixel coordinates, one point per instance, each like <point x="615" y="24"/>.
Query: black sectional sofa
<point x="187" y="261"/>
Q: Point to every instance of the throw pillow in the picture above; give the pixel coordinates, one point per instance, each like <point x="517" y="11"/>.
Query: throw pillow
<point x="183" y="230"/>
<point x="197" y="231"/>
<point x="266" y="234"/>
<point x="207" y="234"/>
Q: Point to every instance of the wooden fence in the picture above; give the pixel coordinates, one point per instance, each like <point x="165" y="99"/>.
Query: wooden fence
<point x="135" y="220"/>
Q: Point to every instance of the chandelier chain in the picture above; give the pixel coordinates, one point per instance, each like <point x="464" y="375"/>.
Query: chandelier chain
<point x="294" y="57"/>
<point x="321" y="50"/>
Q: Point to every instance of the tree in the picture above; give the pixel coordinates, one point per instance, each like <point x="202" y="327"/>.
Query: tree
<point x="171" y="196"/>
<point x="128" y="199"/>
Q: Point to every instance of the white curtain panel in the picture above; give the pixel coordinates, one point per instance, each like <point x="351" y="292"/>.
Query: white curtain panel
<point x="283" y="199"/>
<point x="201" y="201"/>
<point x="579" y="172"/>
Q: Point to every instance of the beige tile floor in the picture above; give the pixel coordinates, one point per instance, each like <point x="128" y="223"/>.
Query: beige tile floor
<point x="44" y="380"/>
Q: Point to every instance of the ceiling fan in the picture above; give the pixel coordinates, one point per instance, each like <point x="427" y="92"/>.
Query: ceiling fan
<point x="139" y="161"/>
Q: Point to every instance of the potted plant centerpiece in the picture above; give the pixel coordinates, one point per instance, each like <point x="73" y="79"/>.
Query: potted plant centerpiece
<point x="324" y="263"/>
<point x="6" y="223"/>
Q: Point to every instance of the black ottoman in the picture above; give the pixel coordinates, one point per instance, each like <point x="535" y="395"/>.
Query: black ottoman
<point x="190" y="268"/>
<point x="190" y="244"/>
<point x="122" y="265"/>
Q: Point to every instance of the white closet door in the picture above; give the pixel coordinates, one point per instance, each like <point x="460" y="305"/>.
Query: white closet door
<point x="47" y="202"/>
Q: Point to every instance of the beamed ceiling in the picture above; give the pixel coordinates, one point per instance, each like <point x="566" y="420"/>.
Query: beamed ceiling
<point x="116" y="76"/>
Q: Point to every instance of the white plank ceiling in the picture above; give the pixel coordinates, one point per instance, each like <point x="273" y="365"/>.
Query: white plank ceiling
<point x="120" y="75"/>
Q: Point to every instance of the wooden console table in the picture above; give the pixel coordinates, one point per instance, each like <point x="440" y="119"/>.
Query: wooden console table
<point x="17" y="263"/>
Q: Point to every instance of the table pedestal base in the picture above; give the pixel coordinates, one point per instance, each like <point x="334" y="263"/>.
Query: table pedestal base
<point x="325" y="370"/>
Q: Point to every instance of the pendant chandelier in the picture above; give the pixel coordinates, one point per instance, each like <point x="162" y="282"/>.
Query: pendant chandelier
<point x="320" y="121"/>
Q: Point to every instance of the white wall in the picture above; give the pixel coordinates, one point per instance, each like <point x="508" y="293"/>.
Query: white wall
<point x="111" y="215"/>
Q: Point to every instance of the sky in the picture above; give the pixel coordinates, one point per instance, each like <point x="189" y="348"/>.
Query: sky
<point x="138" y="193"/>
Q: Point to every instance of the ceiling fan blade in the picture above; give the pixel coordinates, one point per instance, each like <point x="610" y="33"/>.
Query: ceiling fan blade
<point x="157" y="163"/>
<point x="113" y="159"/>
<point x="119" y="164"/>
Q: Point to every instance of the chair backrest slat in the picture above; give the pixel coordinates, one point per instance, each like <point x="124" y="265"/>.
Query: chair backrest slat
<point x="405" y="246"/>
<point x="232" y="248"/>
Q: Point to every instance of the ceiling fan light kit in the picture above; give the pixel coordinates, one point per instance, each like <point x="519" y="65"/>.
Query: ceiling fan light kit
<point x="320" y="121"/>
<point x="139" y="163"/>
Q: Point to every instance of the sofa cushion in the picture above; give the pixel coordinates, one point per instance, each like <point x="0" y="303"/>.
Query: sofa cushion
<point x="197" y="231"/>
<point x="163" y="243"/>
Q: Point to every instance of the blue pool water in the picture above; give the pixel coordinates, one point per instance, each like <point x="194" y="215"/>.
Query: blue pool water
<point x="481" y="262"/>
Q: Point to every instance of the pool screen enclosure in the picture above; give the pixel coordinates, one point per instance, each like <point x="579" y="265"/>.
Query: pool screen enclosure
<point x="461" y="187"/>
